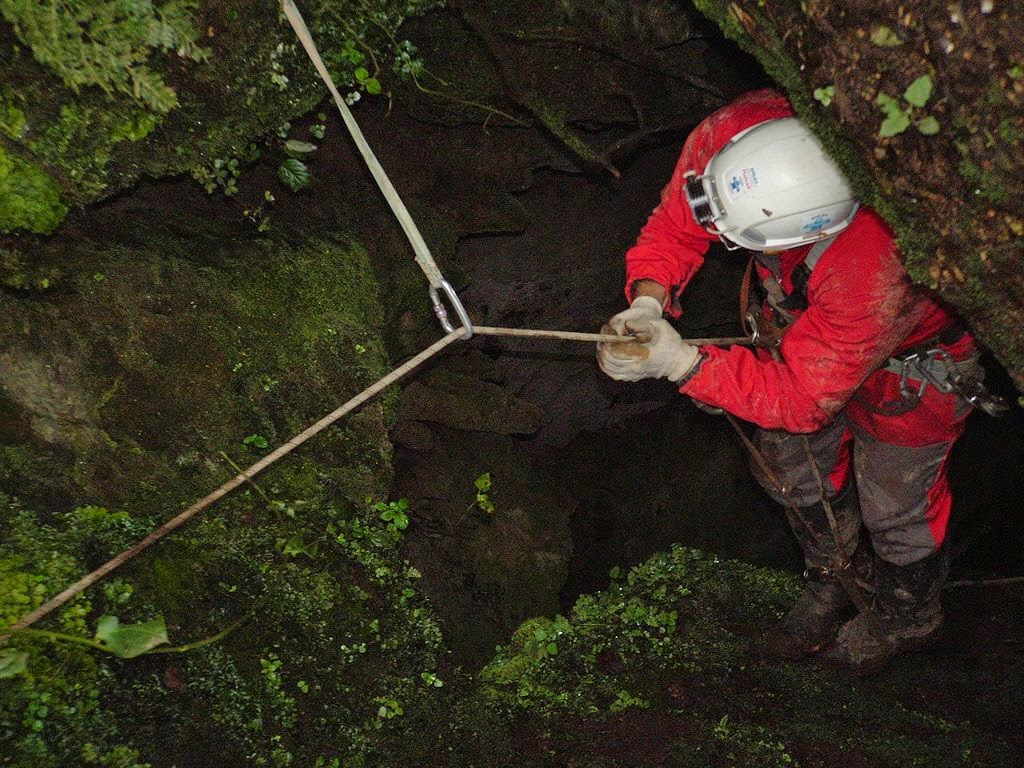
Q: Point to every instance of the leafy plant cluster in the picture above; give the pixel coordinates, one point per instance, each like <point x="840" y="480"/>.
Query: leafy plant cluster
<point x="368" y="37"/>
<point x="900" y="115"/>
<point x="677" y="635"/>
<point x="342" y="636"/>
<point x="604" y="655"/>
<point x="109" y="43"/>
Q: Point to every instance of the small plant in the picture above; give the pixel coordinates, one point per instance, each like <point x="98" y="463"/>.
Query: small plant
<point x="625" y="700"/>
<point x="255" y="441"/>
<point x="367" y="81"/>
<point x="125" y="641"/>
<point x="389" y="708"/>
<point x="825" y="94"/>
<point x="260" y="215"/>
<point x="294" y="174"/>
<point x="407" y="63"/>
<point x="432" y="680"/>
<point x="394" y="513"/>
<point x="483" y="498"/>
<point x="277" y="75"/>
<point x="363" y="78"/>
<point x="317" y="130"/>
<point x="899" y="116"/>
<point x="884" y="37"/>
<point x="296" y="545"/>
<point x="223" y="174"/>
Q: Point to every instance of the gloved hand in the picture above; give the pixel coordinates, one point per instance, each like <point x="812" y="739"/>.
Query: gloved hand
<point x="659" y="352"/>
<point x="642" y="308"/>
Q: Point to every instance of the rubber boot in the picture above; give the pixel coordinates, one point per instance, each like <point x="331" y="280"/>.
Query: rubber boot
<point x="906" y="615"/>
<point x="824" y="605"/>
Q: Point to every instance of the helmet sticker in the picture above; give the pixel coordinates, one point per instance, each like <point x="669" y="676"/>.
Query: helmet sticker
<point x="742" y="181"/>
<point x="816" y="223"/>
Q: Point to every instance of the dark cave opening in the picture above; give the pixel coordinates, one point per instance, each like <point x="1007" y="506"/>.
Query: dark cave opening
<point x="642" y="467"/>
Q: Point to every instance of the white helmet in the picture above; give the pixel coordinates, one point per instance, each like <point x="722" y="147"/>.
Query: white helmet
<point x="770" y="188"/>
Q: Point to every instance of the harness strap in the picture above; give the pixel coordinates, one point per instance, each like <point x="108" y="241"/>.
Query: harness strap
<point x="745" y="286"/>
<point x="817" y="251"/>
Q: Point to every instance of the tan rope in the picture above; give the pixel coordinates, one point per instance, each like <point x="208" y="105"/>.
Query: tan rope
<point x="242" y="477"/>
<point x="531" y="333"/>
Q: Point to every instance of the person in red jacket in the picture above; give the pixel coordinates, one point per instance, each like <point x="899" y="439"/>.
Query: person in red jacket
<point x="862" y="378"/>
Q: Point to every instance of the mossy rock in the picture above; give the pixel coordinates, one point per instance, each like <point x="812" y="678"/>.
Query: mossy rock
<point x="304" y="637"/>
<point x="162" y="88"/>
<point x="125" y="387"/>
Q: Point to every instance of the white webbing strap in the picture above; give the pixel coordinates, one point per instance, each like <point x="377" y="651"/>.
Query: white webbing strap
<point x="423" y="256"/>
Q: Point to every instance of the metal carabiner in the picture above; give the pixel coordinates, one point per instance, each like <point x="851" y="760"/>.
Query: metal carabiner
<point x="943" y="381"/>
<point x="911" y="362"/>
<point x="442" y="313"/>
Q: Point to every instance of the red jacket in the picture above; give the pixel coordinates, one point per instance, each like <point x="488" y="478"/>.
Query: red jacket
<point x="861" y="310"/>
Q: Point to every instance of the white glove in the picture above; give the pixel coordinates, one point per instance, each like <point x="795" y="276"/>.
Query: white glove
<point x="662" y="353"/>
<point x="642" y="308"/>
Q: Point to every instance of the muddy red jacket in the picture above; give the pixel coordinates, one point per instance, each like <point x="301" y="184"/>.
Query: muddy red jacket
<point x="861" y="310"/>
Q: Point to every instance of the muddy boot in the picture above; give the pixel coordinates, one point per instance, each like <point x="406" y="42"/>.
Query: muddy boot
<point x="824" y="604"/>
<point x="906" y="615"/>
<point x="812" y="621"/>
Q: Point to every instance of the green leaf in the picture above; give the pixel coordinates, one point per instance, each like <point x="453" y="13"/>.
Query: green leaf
<point x="884" y="37"/>
<point x="362" y="74"/>
<point x="928" y="126"/>
<point x="483" y="483"/>
<point x="130" y="640"/>
<point x="299" y="147"/>
<point x="894" y="124"/>
<point x="293" y="174"/>
<point x="257" y="441"/>
<point x="297" y="545"/>
<point x="919" y="91"/>
<point x="372" y="85"/>
<point x="13" y="663"/>
<point x="888" y="104"/>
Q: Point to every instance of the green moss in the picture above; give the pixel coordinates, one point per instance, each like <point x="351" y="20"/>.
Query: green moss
<point x="674" y="637"/>
<point x="333" y="624"/>
<point x="12" y="118"/>
<point x="29" y="198"/>
<point x="106" y="108"/>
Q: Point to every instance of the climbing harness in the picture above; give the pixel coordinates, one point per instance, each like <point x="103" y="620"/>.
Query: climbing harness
<point x="928" y="365"/>
<point x="936" y="367"/>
